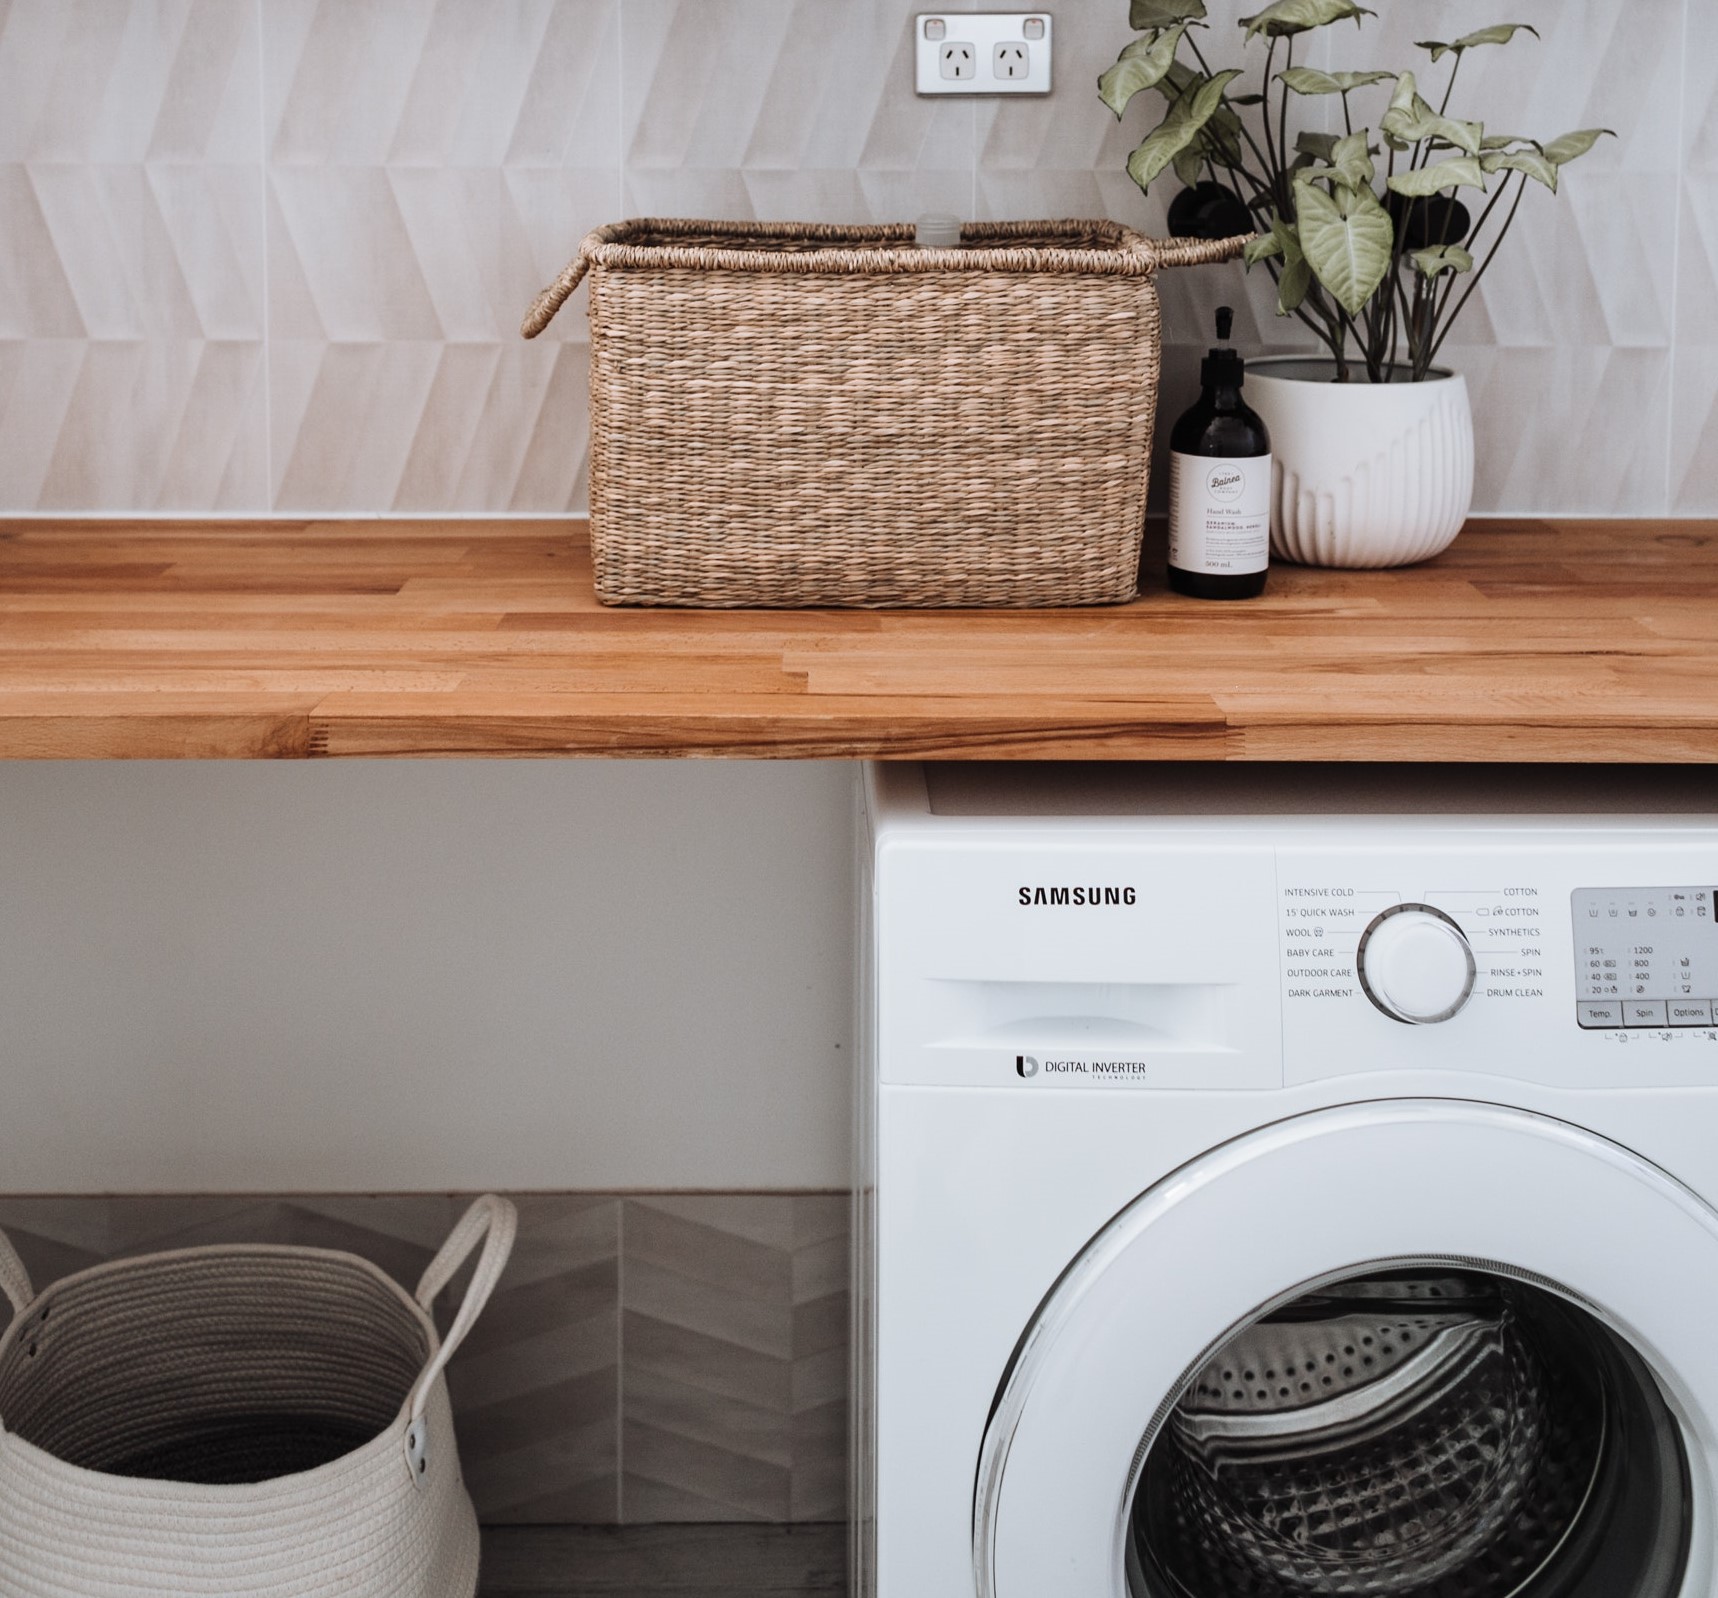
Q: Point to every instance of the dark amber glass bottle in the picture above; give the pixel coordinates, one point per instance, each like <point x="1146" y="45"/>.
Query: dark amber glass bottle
<point x="1220" y="485"/>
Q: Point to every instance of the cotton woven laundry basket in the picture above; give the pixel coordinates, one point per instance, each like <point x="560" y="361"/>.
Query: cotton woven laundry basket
<point x="795" y="414"/>
<point x="263" y="1421"/>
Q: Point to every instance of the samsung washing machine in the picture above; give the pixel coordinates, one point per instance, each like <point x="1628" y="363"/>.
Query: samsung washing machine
<point x="1281" y="1183"/>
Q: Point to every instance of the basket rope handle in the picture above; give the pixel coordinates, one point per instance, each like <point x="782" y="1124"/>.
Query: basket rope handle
<point x="1196" y="252"/>
<point x="543" y="308"/>
<point x="494" y="1222"/>
<point x="15" y="1277"/>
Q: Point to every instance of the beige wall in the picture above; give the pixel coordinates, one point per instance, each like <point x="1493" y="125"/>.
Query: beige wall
<point x="424" y="976"/>
<point x="269" y="255"/>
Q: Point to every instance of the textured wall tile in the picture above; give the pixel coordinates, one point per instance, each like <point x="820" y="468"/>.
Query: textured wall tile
<point x="537" y="1384"/>
<point x="789" y="109"/>
<point x="1694" y="387"/>
<point x="442" y="83"/>
<point x="432" y="165"/>
<point x="108" y="81"/>
<point x="1571" y="429"/>
<point x="426" y="426"/>
<point x="131" y="425"/>
<point x="131" y="257"/>
<point x="734" y="1315"/>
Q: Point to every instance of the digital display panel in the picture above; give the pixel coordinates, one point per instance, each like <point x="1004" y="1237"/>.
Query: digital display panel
<point x="1645" y="957"/>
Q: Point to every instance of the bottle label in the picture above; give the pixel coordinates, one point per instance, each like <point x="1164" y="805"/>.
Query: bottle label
<point x="1219" y="514"/>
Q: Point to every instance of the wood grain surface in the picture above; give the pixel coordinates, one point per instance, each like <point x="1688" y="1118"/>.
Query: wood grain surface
<point x="1528" y="640"/>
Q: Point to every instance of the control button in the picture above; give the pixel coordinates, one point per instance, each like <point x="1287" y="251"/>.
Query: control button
<point x="1033" y="28"/>
<point x="1690" y="1012"/>
<point x="1415" y="964"/>
<point x="1644" y="1012"/>
<point x="1599" y="1015"/>
<point x="935" y="28"/>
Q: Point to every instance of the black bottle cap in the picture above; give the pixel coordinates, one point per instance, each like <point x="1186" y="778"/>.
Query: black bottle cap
<point x="1223" y="368"/>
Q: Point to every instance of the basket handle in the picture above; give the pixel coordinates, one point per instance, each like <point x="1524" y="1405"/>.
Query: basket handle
<point x="1196" y="252"/>
<point x="543" y="308"/>
<point x="494" y="1222"/>
<point x="15" y="1277"/>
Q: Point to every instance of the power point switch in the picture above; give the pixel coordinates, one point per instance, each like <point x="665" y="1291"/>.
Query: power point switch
<point x="994" y="53"/>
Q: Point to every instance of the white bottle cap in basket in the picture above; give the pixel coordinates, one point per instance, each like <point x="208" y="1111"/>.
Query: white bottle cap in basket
<point x="937" y="232"/>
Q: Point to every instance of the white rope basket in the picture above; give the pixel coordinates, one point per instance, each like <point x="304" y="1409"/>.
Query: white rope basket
<point x="261" y="1421"/>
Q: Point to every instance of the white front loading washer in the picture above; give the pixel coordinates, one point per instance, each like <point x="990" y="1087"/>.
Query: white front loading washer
<point x="1280" y="1183"/>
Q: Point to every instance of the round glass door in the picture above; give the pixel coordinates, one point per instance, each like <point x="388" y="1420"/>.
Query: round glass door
<point x="1405" y="1349"/>
<point x="1427" y="1431"/>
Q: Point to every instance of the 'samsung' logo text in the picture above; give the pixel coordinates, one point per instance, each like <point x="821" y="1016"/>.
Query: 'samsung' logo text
<point x="1077" y="896"/>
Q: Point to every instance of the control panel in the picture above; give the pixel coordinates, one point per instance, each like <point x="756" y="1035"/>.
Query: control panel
<point x="1520" y="963"/>
<point x="1645" y="957"/>
<point x="1418" y="958"/>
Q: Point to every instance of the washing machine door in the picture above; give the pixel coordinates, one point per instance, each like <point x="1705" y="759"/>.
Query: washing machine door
<point x="1412" y="1349"/>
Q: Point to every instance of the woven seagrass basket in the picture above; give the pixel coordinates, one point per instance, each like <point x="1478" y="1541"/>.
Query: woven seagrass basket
<point x="268" y="1421"/>
<point x="789" y="414"/>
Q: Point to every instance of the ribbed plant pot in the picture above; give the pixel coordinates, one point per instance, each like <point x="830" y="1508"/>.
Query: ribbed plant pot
<point x="1366" y="474"/>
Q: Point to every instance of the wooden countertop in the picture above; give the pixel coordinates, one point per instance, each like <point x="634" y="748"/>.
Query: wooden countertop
<point x="1528" y="640"/>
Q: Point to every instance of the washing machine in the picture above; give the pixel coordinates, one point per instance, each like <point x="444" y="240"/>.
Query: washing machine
<point x="1287" y="1182"/>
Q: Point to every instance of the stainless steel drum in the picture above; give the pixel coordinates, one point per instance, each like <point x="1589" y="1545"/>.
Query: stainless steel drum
<point x="1396" y="1436"/>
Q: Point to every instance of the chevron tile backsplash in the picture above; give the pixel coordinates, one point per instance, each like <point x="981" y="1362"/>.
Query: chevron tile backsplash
<point x="668" y="1357"/>
<point x="269" y="256"/>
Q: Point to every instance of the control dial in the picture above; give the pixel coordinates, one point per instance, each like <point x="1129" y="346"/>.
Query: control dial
<point x="1416" y="964"/>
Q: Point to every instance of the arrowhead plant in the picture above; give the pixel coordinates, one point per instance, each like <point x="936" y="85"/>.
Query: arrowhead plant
<point x="1362" y="231"/>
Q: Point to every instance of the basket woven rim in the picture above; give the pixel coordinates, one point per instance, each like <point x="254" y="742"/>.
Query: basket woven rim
<point x="139" y="1264"/>
<point x="873" y="250"/>
<point x="888" y="247"/>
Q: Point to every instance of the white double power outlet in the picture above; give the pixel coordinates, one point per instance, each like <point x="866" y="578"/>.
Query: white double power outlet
<point x="982" y="52"/>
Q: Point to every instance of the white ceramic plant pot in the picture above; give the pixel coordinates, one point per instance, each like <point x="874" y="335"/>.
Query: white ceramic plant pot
<point x="1366" y="474"/>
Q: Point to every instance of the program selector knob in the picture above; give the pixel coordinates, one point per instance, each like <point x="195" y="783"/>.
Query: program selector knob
<point x="1416" y="964"/>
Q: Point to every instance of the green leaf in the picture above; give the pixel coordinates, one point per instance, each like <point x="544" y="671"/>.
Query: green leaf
<point x="1189" y="165"/>
<point x="1500" y="33"/>
<point x="1187" y="116"/>
<point x="1442" y="258"/>
<point x="1141" y="65"/>
<point x="1320" y="146"/>
<point x="1147" y="14"/>
<point x="1529" y="161"/>
<point x="1347" y="239"/>
<point x="1221" y="137"/>
<point x="1309" y="80"/>
<point x="1294" y="282"/>
<point x="1246" y="99"/>
<point x="1572" y="146"/>
<point x="1294" y="286"/>
<point x="1284" y="17"/>
<point x="1502" y="141"/>
<point x="1410" y="119"/>
<point x="1441" y="175"/>
<point x="1352" y="160"/>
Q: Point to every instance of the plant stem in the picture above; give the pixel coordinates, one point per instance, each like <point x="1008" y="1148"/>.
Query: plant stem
<point x="1282" y="115"/>
<point x="1438" y="343"/>
<point x="1450" y="87"/>
<point x="1246" y="133"/>
<point x="1273" y="166"/>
